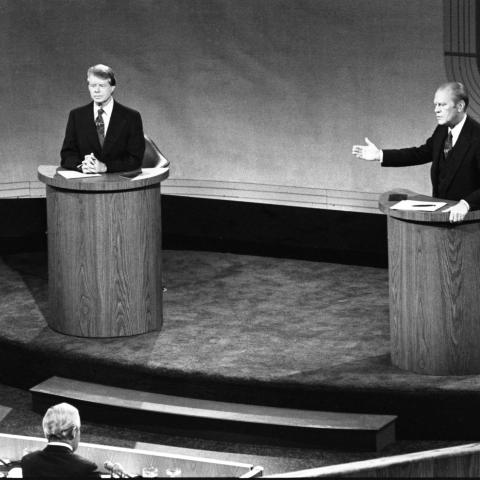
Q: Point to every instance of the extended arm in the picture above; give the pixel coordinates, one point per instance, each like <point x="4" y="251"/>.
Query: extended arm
<point x="402" y="157"/>
<point x="405" y="157"/>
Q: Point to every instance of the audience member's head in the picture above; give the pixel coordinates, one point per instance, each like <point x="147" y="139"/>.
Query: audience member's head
<point x="61" y="423"/>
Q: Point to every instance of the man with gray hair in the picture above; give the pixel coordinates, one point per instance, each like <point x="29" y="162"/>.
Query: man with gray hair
<point x="61" y="427"/>
<point x="453" y="149"/>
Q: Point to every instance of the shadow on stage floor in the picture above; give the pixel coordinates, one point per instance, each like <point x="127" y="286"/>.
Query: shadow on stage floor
<point x="246" y="329"/>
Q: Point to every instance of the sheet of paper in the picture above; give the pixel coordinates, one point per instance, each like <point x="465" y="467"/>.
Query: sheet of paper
<point x="73" y="174"/>
<point x="420" y="205"/>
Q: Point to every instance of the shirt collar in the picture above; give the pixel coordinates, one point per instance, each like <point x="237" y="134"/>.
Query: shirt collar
<point x="455" y="131"/>
<point x="106" y="108"/>
<point x="60" y="444"/>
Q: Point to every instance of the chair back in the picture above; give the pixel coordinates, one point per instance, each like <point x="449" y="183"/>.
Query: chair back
<point x="153" y="157"/>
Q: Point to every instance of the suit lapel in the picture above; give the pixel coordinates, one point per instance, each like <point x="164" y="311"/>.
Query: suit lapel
<point x="114" y="127"/>
<point x="458" y="154"/>
<point x="438" y="146"/>
<point x="439" y="139"/>
<point x="90" y="128"/>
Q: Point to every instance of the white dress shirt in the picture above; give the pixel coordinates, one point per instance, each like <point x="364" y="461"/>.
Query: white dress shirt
<point x="107" y="113"/>
<point x="455" y="131"/>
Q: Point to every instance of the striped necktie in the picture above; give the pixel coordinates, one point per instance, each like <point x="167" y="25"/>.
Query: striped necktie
<point x="447" y="147"/>
<point x="100" y="126"/>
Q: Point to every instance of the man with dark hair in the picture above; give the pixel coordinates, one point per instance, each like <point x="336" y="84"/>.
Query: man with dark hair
<point x="453" y="149"/>
<point x="61" y="426"/>
<point x="103" y="136"/>
<point x="104" y="72"/>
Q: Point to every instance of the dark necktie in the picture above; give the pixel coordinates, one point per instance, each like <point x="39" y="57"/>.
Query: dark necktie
<point x="443" y="166"/>
<point x="100" y="126"/>
<point x="448" y="145"/>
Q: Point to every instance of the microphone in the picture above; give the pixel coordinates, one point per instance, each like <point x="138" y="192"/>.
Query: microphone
<point x="115" y="469"/>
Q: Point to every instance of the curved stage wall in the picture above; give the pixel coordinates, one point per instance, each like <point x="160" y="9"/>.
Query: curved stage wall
<point x="251" y="100"/>
<point x="461" y="44"/>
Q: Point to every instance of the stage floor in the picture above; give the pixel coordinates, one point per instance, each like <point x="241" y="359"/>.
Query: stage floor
<point x="246" y="329"/>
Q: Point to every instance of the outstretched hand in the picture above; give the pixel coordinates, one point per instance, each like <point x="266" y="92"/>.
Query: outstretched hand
<point x="368" y="152"/>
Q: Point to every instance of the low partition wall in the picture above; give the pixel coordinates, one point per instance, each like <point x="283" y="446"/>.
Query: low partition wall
<point x="264" y="229"/>
<point x="461" y="461"/>
<point x="133" y="461"/>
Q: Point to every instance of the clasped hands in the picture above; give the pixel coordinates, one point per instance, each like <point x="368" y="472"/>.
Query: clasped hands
<point x="91" y="164"/>
<point x="371" y="152"/>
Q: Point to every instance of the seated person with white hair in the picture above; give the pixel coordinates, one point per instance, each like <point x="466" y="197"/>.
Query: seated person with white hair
<point x="61" y="426"/>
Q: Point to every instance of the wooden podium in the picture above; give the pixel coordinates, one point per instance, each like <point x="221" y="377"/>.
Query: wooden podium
<point x="434" y="282"/>
<point x="104" y="253"/>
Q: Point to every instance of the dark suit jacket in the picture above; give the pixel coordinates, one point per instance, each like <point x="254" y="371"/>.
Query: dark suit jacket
<point x="57" y="461"/>
<point x="462" y="174"/>
<point x="123" y="146"/>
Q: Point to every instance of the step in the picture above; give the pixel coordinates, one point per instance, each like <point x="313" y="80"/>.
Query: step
<point x="167" y="412"/>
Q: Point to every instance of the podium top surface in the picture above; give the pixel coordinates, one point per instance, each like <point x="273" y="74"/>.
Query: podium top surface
<point x="439" y="216"/>
<point x="102" y="183"/>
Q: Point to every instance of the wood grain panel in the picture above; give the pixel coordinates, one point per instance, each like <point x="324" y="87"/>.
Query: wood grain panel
<point x="104" y="261"/>
<point x="434" y="267"/>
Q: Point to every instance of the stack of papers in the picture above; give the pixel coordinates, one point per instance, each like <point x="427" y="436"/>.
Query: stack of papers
<point x="73" y="174"/>
<point x="419" y="205"/>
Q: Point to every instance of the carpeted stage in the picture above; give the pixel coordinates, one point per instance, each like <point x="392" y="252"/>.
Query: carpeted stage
<point x="246" y="329"/>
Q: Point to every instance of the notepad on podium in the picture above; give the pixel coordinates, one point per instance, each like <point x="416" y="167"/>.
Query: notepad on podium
<point x="420" y="205"/>
<point x="74" y="174"/>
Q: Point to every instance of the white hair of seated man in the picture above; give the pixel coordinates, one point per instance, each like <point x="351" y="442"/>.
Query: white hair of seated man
<point x="61" y="423"/>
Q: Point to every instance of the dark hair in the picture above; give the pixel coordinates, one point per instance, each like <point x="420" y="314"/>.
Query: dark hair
<point x="459" y="91"/>
<point x="102" y="71"/>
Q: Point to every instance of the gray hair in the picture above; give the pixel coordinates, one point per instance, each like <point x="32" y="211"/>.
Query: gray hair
<point x="459" y="91"/>
<point x="60" y="422"/>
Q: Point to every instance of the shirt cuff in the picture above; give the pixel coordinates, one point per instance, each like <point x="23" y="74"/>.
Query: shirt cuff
<point x="465" y="203"/>
<point x="381" y="157"/>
